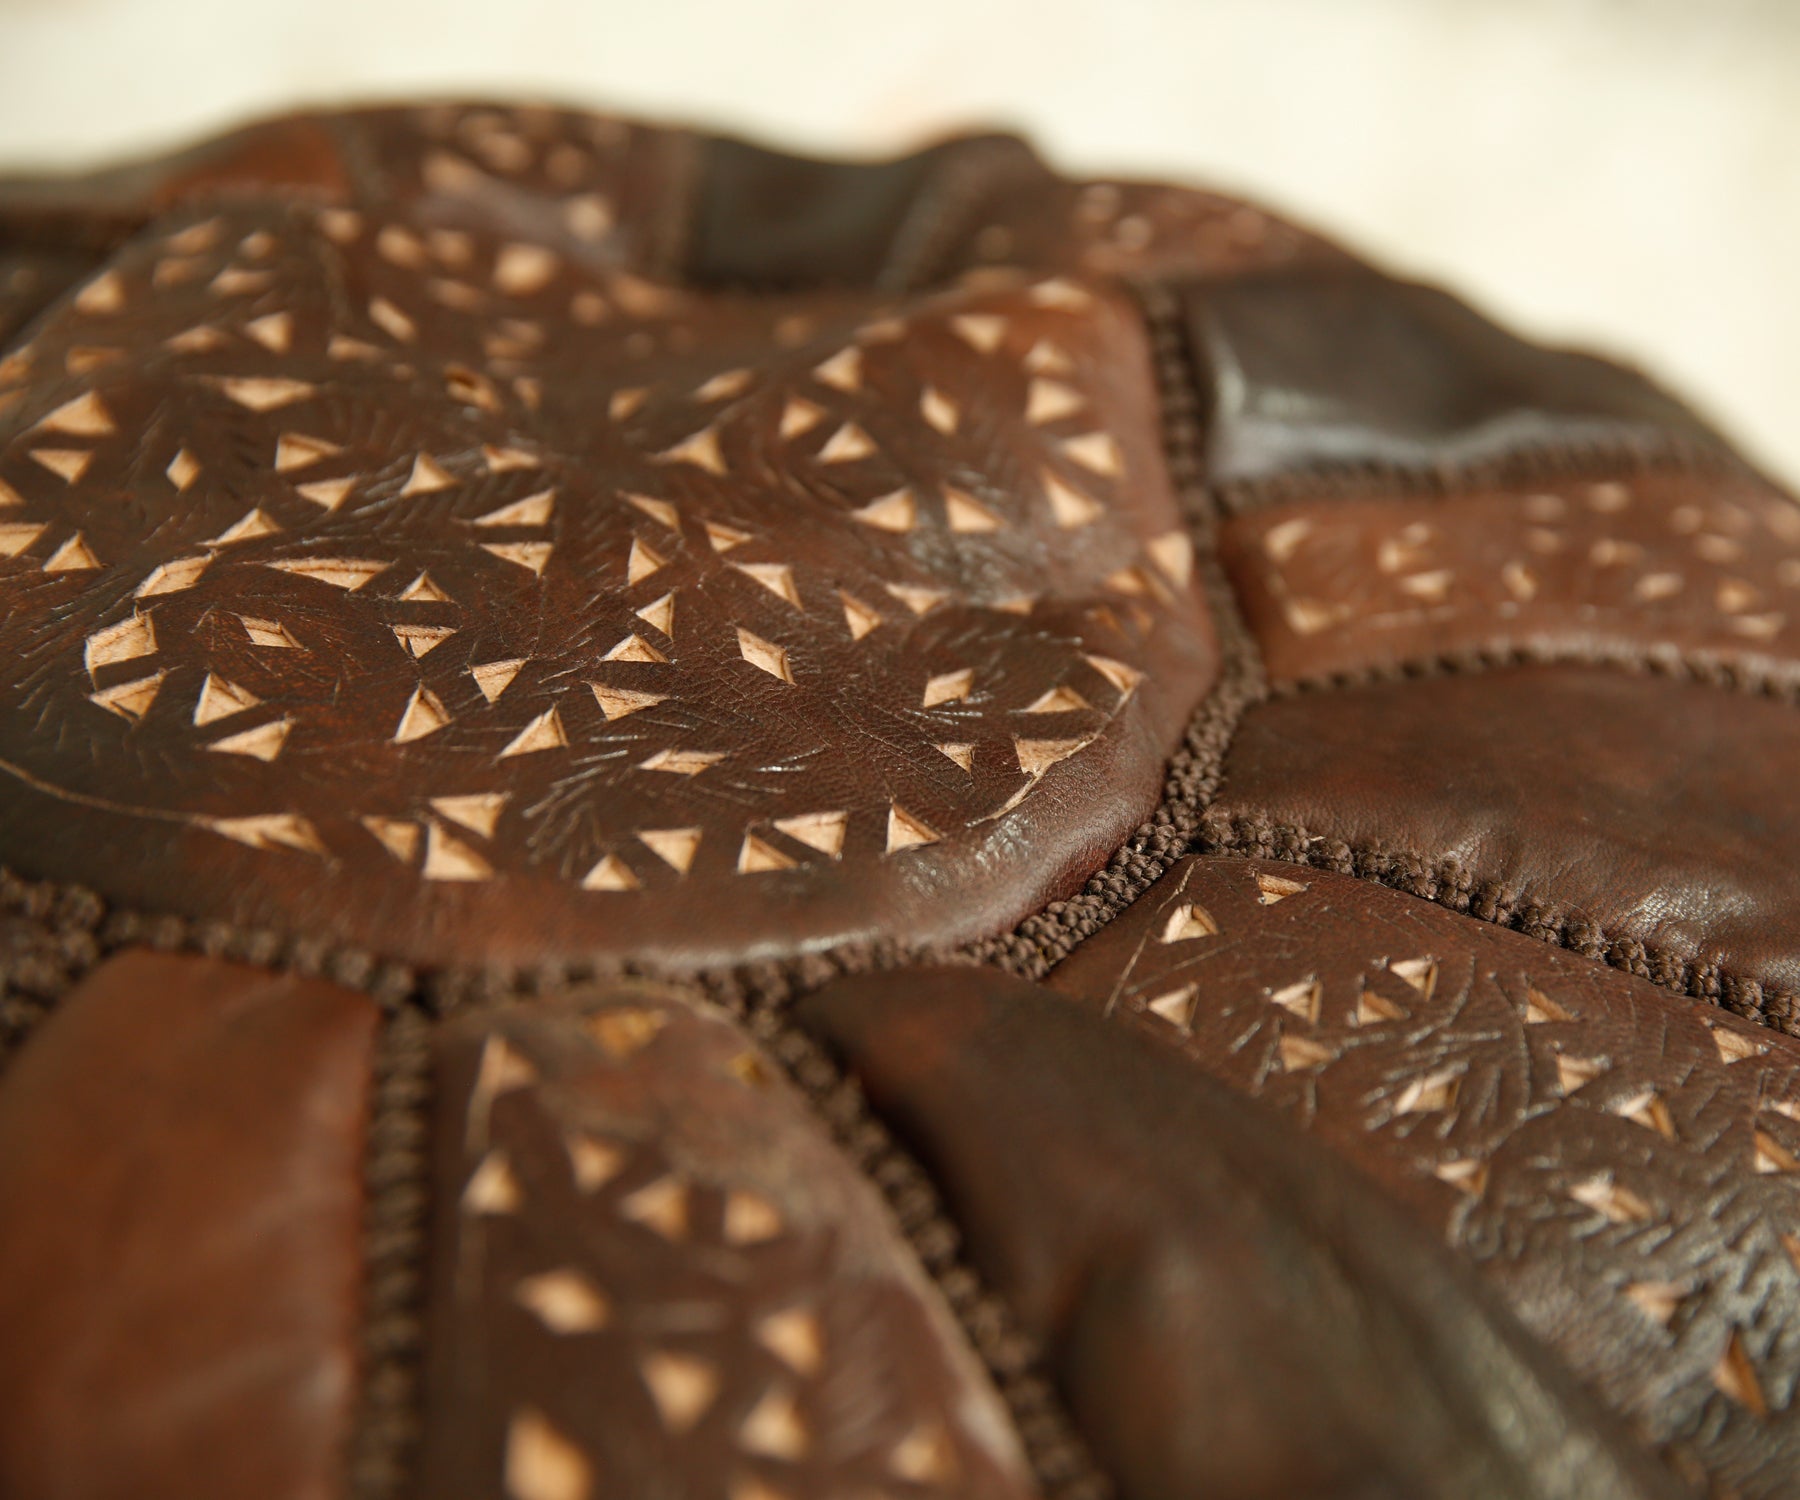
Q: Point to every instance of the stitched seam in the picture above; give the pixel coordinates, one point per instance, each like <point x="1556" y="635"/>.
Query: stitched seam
<point x="1059" y="1458"/>
<point x="1713" y="669"/>
<point x="389" y="1416"/>
<point x="1447" y="882"/>
<point x="1196" y="771"/>
<point x="1598" y="459"/>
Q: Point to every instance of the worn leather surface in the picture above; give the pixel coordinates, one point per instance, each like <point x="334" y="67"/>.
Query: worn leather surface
<point x="496" y="537"/>
<point x="1620" y="1164"/>
<point x="434" y="591"/>
<point x="1622" y="809"/>
<point x="1667" y="566"/>
<point x="1227" y="1316"/>
<point x="655" y="1275"/>
<point x="1328" y="371"/>
<point x="181" y="1190"/>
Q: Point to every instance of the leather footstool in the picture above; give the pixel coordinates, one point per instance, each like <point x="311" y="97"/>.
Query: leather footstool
<point x="687" y="823"/>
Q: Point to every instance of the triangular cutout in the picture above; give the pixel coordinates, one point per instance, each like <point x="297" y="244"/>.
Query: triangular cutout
<point x="659" y="511"/>
<point x="724" y="538"/>
<point x="822" y="831"/>
<point x="423" y="591"/>
<point x="478" y="812"/>
<point x="634" y="648"/>
<point x="966" y="514"/>
<point x="295" y="450"/>
<point x="842" y="372"/>
<point x="261" y="743"/>
<point x="327" y="494"/>
<point x="858" y="616"/>
<point x="528" y="555"/>
<point x="846" y="445"/>
<point x="617" y="703"/>
<point x="533" y="510"/>
<point x="1187" y="922"/>
<point x="417" y="640"/>
<point x="545" y="732"/>
<point x="424" y="715"/>
<point x="427" y="478"/>
<point x="130" y="700"/>
<point x="701" y="450"/>
<point x="644" y="561"/>
<point x="220" y="699"/>
<point x="1050" y="401"/>
<point x="610" y="874"/>
<point x="897" y="512"/>
<point x="675" y="847"/>
<point x="777" y="578"/>
<point x="905" y="831"/>
<point x="659" y="614"/>
<point x="756" y="857"/>
<point x="494" y="677"/>
<point x="250" y="527"/>
<point x="1177" y="1007"/>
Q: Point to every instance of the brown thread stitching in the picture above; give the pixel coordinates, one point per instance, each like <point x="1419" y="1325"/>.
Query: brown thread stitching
<point x="1059" y="1458"/>
<point x="1196" y="771"/>
<point x="1562" y="462"/>
<point x="395" y="1174"/>
<point x="1446" y="882"/>
<point x="1711" y="669"/>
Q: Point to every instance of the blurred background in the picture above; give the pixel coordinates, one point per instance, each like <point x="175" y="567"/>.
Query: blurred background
<point x="1622" y="173"/>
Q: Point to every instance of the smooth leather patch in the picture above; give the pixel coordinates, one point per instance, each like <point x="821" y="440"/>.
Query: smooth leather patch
<point x="766" y="219"/>
<point x="655" y="1275"/>
<point x="1229" y="1311"/>
<point x="1335" y="369"/>
<point x="1624" y="1166"/>
<point x="1623" y="809"/>
<point x="181" y="1185"/>
<point x="343" y="600"/>
<point x="1657" y="566"/>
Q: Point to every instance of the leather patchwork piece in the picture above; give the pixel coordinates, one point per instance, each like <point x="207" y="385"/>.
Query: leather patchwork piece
<point x="1659" y="566"/>
<point x="1229" y="1311"/>
<point x="1336" y="370"/>
<point x="1119" y="228"/>
<point x="1649" y="818"/>
<point x="181" y="1181"/>
<point x="595" y="189"/>
<point x="1623" y="1165"/>
<point x="655" y="1274"/>
<point x="766" y="219"/>
<point x="424" y="589"/>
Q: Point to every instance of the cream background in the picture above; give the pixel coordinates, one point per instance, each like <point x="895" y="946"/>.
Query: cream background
<point x="1621" y="172"/>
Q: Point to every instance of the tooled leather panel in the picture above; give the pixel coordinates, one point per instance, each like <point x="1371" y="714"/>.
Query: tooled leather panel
<point x="654" y="1274"/>
<point x="1227" y="1310"/>
<point x="1648" y="815"/>
<point x="432" y="591"/>
<point x="1652" y="566"/>
<point x="1622" y="1164"/>
<point x="181" y="1186"/>
<point x="1335" y="373"/>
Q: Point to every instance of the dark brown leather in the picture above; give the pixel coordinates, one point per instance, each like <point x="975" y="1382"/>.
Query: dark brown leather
<point x="1659" y="566"/>
<point x="765" y="219"/>
<point x="362" y="618"/>
<point x="1623" y="811"/>
<point x="510" y="539"/>
<point x="1320" y="371"/>
<point x="1227" y="1317"/>
<point x="1622" y="1166"/>
<point x="656" y="1276"/>
<point x="180" y="1181"/>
